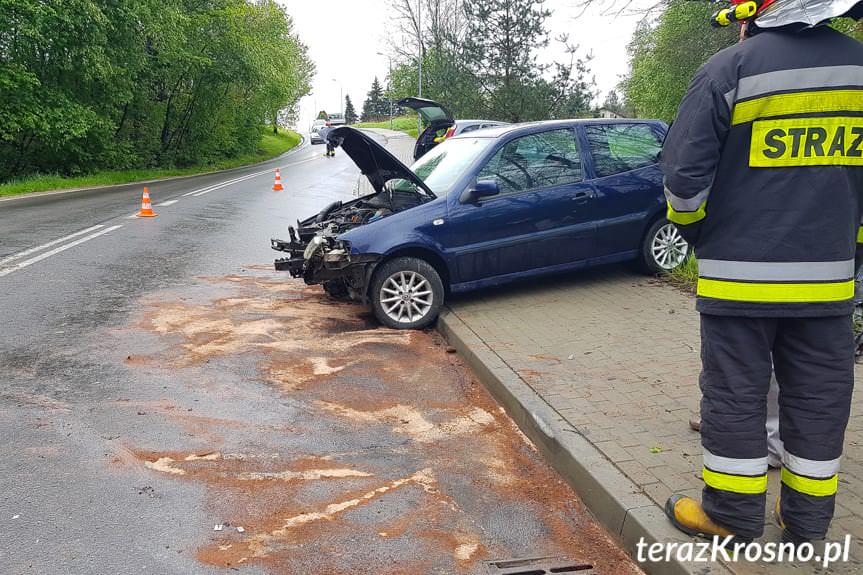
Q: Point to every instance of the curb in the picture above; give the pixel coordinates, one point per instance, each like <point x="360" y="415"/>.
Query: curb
<point x="613" y="498"/>
<point x="142" y="182"/>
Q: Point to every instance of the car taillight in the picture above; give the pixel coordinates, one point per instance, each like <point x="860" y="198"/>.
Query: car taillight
<point x="449" y="133"/>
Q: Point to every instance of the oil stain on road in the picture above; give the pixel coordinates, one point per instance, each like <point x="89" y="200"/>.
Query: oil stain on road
<point x="350" y="448"/>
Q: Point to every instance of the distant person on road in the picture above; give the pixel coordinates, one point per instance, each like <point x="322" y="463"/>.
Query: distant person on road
<point x="764" y="177"/>
<point x="325" y="133"/>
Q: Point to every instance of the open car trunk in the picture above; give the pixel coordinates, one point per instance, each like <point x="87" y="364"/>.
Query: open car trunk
<point x="436" y="116"/>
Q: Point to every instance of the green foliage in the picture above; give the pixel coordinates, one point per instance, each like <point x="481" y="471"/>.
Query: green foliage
<point x="376" y="105"/>
<point x="322" y="115"/>
<point x="406" y="124"/>
<point x="480" y="59"/>
<point x="665" y="56"/>
<point x="87" y="85"/>
<point x="270" y="146"/>
<point x="685" y="275"/>
<point x="350" y="111"/>
<point x="612" y="103"/>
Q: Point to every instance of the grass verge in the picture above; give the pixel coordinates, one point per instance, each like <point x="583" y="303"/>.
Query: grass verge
<point x="406" y="124"/>
<point x="686" y="275"/>
<point x="271" y="145"/>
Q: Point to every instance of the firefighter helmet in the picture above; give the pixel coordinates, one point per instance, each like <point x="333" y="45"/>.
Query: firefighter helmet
<point x="777" y="13"/>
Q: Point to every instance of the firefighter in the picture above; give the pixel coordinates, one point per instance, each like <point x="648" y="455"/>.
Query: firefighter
<point x="325" y="136"/>
<point x="764" y="177"/>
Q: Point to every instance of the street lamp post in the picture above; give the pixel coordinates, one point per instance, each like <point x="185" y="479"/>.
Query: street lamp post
<point x="420" y="41"/>
<point x="389" y="85"/>
<point x="341" y="99"/>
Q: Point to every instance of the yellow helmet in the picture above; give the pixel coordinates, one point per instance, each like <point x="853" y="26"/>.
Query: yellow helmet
<point x="777" y="13"/>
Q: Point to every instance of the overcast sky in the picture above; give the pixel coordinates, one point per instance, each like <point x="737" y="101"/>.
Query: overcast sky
<point x="345" y="38"/>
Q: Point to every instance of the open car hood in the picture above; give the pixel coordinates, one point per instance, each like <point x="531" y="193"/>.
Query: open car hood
<point x="377" y="164"/>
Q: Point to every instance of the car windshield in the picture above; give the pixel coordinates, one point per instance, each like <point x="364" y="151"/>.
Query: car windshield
<point x="444" y="164"/>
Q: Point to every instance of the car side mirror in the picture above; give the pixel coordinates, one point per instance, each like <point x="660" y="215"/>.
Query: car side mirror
<point x="482" y="189"/>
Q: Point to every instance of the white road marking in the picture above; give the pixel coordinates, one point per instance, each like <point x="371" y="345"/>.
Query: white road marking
<point x="167" y="203"/>
<point x="220" y="185"/>
<point x="132" y="217"/>
<point x="29" y="251"/>
<point x="55" y="251"/>
<point x="301" y="162"/>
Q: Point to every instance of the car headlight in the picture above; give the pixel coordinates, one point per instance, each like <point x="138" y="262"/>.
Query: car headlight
<point x="312" y="247"/>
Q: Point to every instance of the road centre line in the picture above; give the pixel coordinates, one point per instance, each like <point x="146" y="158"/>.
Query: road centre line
<point x="207" y="189"/>
<point x="62" y="248"/>
<point x="302" y="162"/>
<point x="29" y="251"/>
<point x="220" y="185"/>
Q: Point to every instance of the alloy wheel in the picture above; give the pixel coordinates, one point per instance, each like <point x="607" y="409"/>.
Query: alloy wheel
<point x="668" y="247"/>
<point x="406" y="296"/>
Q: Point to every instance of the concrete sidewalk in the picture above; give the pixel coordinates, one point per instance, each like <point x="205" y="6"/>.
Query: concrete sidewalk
<point x="611" y="358"/>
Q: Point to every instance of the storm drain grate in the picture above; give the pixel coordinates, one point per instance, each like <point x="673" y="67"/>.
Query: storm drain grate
<point x="537" y="566"/>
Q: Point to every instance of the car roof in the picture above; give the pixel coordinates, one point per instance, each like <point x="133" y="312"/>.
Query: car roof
<point x="479" y="122"/>
<point x="528" y="127"/>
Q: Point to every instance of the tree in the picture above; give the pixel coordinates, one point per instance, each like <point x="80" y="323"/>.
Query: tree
<point x="664" y="57"/>
<point x="376" y="107"/>
<point x="612" y="103"/>
<point x="501" y="42"/>
<point x="322" y="115"/>
<point x="446" y="77"/>
<point x="350" y="112"/>
<point x="97" y="84"/>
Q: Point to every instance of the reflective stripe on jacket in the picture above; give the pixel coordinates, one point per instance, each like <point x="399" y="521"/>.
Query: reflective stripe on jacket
<point x="764" y="174"/>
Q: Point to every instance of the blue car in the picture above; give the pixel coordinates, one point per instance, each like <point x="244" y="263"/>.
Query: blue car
<point x="486" y="208"/>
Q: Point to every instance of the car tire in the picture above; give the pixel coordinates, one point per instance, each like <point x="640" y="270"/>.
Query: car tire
<point x="337" y="290"/>
<point x="411" y="277"/>
<point x="663" y="249"/>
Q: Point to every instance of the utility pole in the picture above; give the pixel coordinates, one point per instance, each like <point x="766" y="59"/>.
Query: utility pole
<point x="389" y="85"/>
<point x="420" y="39"/>
<point x="341" y="98"/>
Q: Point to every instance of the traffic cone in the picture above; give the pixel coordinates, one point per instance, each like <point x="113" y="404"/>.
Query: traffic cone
<point x="277" y="187"/>
<point x="146" y="207"/>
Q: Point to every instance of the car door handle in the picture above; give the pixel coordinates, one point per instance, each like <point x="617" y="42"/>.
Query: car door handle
<point x="581" y="197"/>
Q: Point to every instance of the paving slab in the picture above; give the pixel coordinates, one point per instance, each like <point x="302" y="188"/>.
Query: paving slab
<point x="609" y="358"/>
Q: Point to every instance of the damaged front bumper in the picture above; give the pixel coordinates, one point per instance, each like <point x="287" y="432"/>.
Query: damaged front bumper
<point x="319" y="258"/>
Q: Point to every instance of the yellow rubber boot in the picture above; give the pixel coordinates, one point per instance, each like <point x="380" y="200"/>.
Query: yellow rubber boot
<point x="687" y="515"/>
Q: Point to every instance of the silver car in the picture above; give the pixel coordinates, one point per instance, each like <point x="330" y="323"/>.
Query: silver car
<point x="441" y="124"/>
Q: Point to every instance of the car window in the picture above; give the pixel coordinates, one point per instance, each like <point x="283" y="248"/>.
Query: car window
<point x="619" y="148"/>
<point x="444" y="164"/>
<point x="470" y="128"/>
<point x="536" y="161"/>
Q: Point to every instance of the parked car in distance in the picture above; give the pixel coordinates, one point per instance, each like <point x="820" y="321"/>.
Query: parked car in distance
<point x="337" y="119"/>
<point x="488" y="207"/>
<point x="314" y="136"/>
<point x="440" y="124"/>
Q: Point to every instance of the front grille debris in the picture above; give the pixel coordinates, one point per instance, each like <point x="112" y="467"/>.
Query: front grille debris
<point x="537" y="566"/>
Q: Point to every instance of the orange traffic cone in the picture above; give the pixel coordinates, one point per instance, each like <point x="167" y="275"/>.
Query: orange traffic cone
<point x="277" y="187"/>
<point x="146" y="207"/>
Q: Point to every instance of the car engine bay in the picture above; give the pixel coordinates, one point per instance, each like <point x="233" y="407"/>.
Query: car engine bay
<point x="316" y="255"/>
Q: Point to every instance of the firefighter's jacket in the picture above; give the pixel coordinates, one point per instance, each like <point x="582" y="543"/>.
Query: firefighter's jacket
<point x="764" y="174"/>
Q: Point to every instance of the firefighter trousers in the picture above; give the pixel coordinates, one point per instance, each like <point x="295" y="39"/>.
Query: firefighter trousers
<point x="813" y="360"/>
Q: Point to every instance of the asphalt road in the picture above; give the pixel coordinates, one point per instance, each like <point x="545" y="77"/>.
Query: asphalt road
<point x="161" y="386"/>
